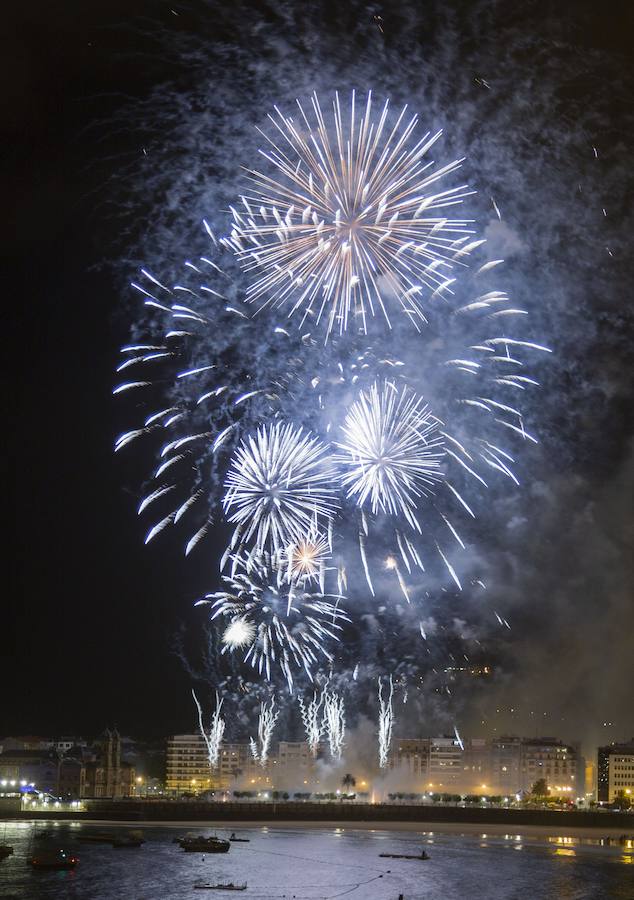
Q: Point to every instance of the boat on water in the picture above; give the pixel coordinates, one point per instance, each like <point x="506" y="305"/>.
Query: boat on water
<point x="422" y="855"/>
<point x="237" y="840"/>
<point x="230" y="886"/>
<point x="205" y="845"/>
<point x="53" y="859"/>
<point x="5" y="850"/>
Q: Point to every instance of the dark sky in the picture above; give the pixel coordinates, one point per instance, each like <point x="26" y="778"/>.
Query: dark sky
<point x="88" y="613"/>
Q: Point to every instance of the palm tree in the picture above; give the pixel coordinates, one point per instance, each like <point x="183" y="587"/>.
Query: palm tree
<point x="348" y="781"/>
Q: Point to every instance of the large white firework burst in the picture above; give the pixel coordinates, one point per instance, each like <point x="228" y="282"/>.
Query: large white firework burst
<point x="350" y="216"/>
<point x="274" y="620"/>
<point x="392" y="451"/>
<point x="278" y="485"/>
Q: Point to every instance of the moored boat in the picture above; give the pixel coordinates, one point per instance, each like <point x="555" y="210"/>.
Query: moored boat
<point x="230" y="886"/>
<point x="54" y="859"/>
<point x="205" y="845"/>
<point x="238" y="840"/>
<point x="5" y="850"/>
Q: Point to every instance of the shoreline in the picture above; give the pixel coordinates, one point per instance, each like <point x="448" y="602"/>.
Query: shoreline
<point x="470" y="829"/>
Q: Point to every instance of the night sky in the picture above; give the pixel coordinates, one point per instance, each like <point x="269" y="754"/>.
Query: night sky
<point x="89" y="613"/>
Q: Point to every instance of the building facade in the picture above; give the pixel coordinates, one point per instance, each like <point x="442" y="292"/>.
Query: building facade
<point x="411" y="757"/>
<point x="445" y="770"/>
<point x="554" y="761"/>
<point x="107" y="776"/>
<point x="506" y="757"/>
<point x="187" y="765"/>
<point x="187" y="768"/>
<point x="615" y="772"/>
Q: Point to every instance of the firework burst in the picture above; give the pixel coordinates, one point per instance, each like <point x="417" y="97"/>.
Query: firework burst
<point x="308" y="558"/>
<point x="391" y="453"/>
<point x="276" y="621"/>
<point x="278" y="484"/>
<point x="349" y="216"/>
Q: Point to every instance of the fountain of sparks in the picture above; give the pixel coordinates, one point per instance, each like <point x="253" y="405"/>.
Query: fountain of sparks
<point x="334" y="723"/>
<point x="312" y="721"/>
<point x="266" y="724"/>
<point x="213" y="737"/>
<point x="386" y="722"/>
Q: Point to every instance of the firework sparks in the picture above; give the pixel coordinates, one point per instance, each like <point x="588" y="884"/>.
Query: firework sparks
<point x="276" y="621"/>
<point x="391" y="452"/>
<point x="312" y="721"/>
<point x="355" y="246"/>
<point x="279" y="482"/>
<point x="267" y="719"/>
<point x="307" y="559"/>
<point x="213" y="737"/>
<point x="334" y="723"/>
<point x="386" y="722"/>
<point x="348" y="217"/>
<point x="208" y="406"/>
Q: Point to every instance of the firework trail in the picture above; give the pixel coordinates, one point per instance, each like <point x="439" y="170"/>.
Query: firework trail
<point x="386" y="721"/>
<point x="276" y="621"/>
<point x="348" y="216"/>
<point x="312" y="721"/>
<point x="213" y="737"/>
<point x="334" y="723"/>
<point x="278" y="484"/>
<point x="266" y="724"/>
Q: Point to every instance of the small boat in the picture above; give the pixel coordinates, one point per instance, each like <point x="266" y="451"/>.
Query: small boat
<point x="205" y="845"/>
<point x="53" y="859"/>
<point x="5" y="850"/>
<point x="237" y="840"/>
<point x="230" y="886"/>
<point x="422" y="855"/>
